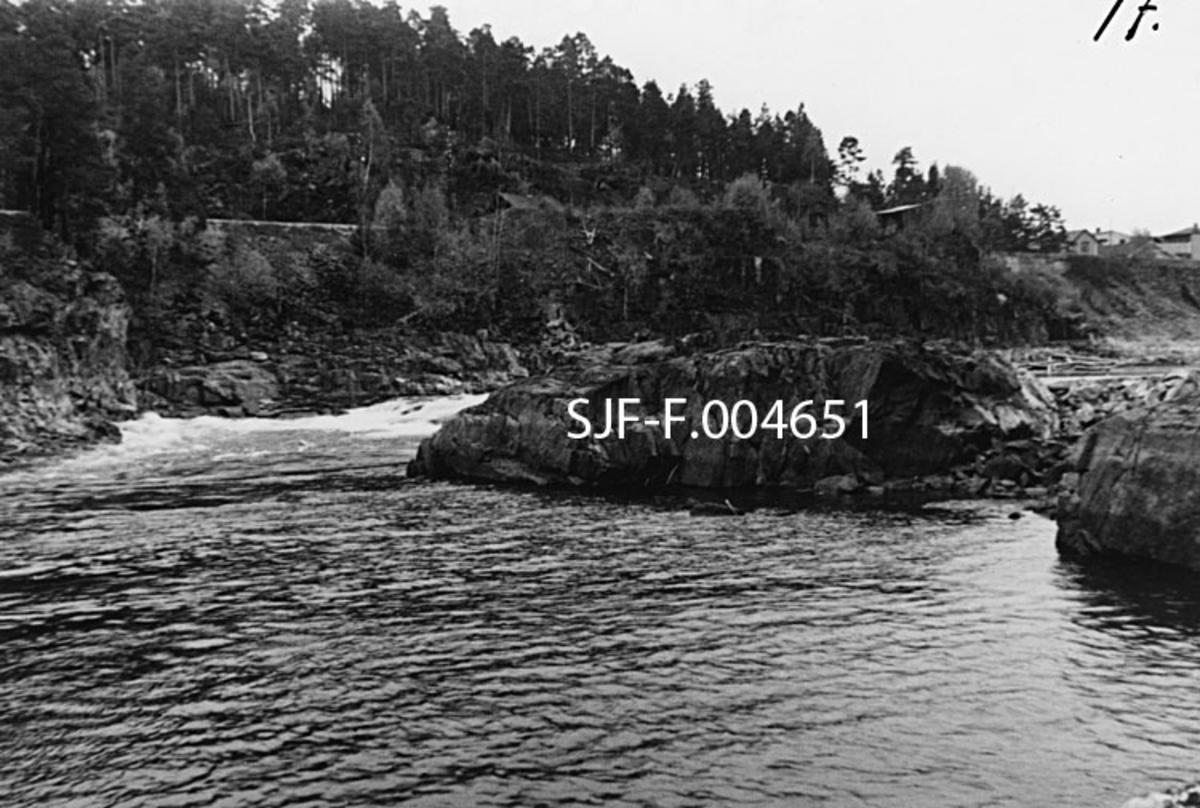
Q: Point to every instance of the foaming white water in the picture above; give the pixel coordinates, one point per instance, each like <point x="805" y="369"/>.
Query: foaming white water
<point x="398" y="418"/>
<point x="155" y="440"/>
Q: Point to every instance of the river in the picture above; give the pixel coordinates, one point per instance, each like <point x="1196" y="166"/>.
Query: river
<point x="260" y="613"/>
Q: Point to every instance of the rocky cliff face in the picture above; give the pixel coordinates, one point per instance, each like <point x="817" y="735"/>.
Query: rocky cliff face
<point x="927" y="412"/>
<point x="62" y="355"/>
<point x="1139" y="484"/>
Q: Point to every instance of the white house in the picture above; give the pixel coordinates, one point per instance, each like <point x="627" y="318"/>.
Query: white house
<point x="1082" y="242"/>
<point x="1183" y="243"/>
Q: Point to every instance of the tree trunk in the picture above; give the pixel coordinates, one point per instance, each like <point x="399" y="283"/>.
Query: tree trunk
<point x="250" y="116"/>
<point x="178" y="94"/>
<point x="570" y="117"/>
<point x="592" y="130"/>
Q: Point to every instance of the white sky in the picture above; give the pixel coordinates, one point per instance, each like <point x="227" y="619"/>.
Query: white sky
<point x="1014" y="90"/>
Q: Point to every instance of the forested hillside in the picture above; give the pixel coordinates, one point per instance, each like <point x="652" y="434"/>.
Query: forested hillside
<point x="487" y="181"/>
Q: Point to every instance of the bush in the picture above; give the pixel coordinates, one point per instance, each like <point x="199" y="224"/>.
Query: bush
<point x="748" y="193"/>
<point x="246" y="283"/>
<point x="644" y="199"/>
<point x="389" y="225"/>
<point x="854" y="223"/>
<point x="384" y="294"/>
<point x="681" y="197"/>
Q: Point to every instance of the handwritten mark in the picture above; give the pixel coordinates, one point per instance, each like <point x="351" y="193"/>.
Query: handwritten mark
<point x="1133" y="29"/>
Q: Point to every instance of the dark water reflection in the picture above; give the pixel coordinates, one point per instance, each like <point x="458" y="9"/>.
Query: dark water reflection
<point x="1124" y="596"/>
<point x="283" y="619"/>
<point x="1144" y="621"/>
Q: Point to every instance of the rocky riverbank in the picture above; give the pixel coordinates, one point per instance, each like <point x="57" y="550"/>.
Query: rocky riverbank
<point x="66" y="375"/>
<point x="324" y="372"/>
<point x="63" y="379"/>
<point x="1138" y="483"/>
<point x="938" y="422"/>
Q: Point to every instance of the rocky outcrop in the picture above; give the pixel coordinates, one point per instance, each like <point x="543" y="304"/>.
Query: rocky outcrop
<point x="928" y="412"/>
<point x="62" y="355"/>
<point x="1139" y="484"/>
<point x="1087" y="400"/>
<point x="233" y="389"/>
<point x="307" y="372"/>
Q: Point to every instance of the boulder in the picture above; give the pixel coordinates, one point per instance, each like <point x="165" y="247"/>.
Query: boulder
<point x="837" y="485"/>
<point x="1085" y="401"/>
<point x="236" y="387"/>
<point x="1138" y="492"/>
<point x="927" y="410"/>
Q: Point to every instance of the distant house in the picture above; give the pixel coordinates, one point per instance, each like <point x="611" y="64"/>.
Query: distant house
<point x="1183" y="243"/>
<point x="901" y="216"/>
<point x="1112" y="238"/>
<point x="1082" y="242"/>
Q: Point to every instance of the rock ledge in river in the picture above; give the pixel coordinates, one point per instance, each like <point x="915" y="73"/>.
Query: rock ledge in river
<point x="1139" y="485"/>
<point x="234" y="388"/>
<point x="928" y="411"/>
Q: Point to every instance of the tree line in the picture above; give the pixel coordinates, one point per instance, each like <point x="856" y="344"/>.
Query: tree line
<point x="307" y="110"/>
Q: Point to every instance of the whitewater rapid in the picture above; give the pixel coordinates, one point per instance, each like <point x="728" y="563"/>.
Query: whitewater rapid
<point x="152" y="440"/>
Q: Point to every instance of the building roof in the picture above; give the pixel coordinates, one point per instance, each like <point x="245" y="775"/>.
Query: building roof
<point x="1140" y="249"/>
<point x="520" y="201"/>
<point x="900" y="209"/>
<point x="1185" y="233"/>
<point x="1112" y="237"/>
<point x="1075" y="235"/>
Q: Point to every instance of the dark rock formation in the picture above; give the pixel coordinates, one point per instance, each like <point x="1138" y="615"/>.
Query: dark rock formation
<point x="1085" y="401"/>
<point x="1139" y="484"/>
<point x="928" y="411"/>
<point x="62" y="356"/>
<point x="307" y="372"/>
<point x="234" y="388"/>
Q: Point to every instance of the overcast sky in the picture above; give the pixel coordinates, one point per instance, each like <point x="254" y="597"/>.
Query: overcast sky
<point x="1016" y="91"/>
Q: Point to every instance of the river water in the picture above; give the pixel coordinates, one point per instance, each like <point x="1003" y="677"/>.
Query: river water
<point x="261" y="613"/>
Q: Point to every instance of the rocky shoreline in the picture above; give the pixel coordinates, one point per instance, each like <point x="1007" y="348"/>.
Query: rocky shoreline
<point x="1003" y="434"/>
<point x="1138" y="483"/>
<point x="63" y="378"/>
<point x="940" y="423"/>
<point x="304" y="374"/>
<point x="66" y="377"/>
<point x="1103" y="455"/>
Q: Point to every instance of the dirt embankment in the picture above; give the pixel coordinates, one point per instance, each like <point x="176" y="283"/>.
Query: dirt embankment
<point x="1147" y="307"/>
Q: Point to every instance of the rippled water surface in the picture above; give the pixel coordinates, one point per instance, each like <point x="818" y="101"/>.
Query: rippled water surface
<point x="220" y="613"/>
